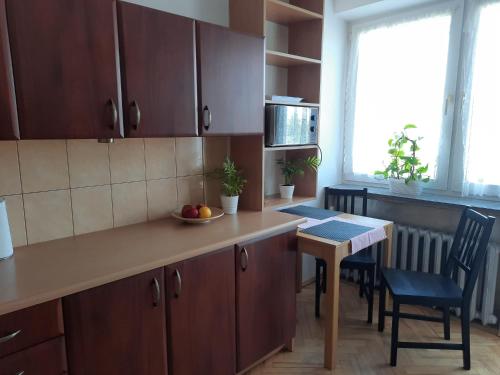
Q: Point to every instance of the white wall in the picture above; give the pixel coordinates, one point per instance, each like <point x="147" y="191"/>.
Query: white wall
<point x="332" y="110"/>
<point x="214" y="11"/>
<point x="345" y="5"/>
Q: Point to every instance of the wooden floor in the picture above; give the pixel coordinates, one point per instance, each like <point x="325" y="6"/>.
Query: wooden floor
<point x="363" y="350"/>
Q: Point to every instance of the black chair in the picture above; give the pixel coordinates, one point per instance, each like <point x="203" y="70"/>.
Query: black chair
<point x="345" y="200"/>
<point x="423" y="289"/>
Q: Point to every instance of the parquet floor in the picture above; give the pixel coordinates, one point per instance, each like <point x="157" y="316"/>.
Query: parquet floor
<point x="363" y="350"/>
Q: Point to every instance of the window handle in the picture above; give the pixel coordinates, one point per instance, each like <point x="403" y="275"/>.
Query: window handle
<point x="449" y="101"/>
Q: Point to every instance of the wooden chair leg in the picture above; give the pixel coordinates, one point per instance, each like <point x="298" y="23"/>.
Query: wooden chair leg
<point x="371" y="289"/>
<point x="466" y="337"/>
<point x="446" y="322"/>
<point x="395" y="331"/>
<point x="318" y="288"/>
<point x="361" y="282"/>
<point x="381" y="306"/>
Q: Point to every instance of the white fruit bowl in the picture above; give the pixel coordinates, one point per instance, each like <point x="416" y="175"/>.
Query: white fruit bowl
<point x="217" y="213"/>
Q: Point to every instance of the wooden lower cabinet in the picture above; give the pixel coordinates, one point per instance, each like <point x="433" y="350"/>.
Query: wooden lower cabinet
<point x="200" y="296"/>
<point x="265" y="297"/>
<point x="48" y="358"/>
<point x="118" y="328"/>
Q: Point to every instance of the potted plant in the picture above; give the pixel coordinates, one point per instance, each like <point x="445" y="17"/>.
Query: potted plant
<point x="405" y="171"/>
<point x="232" y="185"/>
<point x="292" y="168"/>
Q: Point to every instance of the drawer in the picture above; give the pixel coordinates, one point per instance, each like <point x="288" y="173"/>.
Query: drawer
<point x="25" y="328"/>
<point x="48" y="358"/>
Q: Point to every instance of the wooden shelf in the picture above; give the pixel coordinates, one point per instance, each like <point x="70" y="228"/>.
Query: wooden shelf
<point x="285" y="59"/>
<point x="275" y="201"/>
<point x="280" y="12"/>
<point x="286" y="148"/>
<point x="301" y="104"/>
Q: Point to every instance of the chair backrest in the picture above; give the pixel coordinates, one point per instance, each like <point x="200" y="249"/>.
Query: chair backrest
<point x="469" y="248"/>
<point x="345" y="199"/>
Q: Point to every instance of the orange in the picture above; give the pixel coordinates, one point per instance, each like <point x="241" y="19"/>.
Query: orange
<point x="205" y="213"/>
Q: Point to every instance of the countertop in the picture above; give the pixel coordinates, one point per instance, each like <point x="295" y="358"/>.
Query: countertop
<point x="42" y="272"/>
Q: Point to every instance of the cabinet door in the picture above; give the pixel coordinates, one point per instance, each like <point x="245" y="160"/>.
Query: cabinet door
<point x="118" y="328"/>
<point x="158" y="70"/>
<point x="201" y="315"/>
<point x="65" y="61"/>
<point x="265" y="297"/>
<point x="230" y="81"/>
<point x="9" y="127"/>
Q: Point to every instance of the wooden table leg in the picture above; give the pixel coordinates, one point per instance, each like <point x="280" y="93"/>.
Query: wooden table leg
<point x="332" y="306"/>
<point x="388" y="255"/>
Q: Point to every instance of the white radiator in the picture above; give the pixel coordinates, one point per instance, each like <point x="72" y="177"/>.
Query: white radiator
<point x="419" y="249"/>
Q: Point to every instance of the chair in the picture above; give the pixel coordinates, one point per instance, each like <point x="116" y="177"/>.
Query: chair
<point x="345" y="200"/>
<point x="467" y="254"/>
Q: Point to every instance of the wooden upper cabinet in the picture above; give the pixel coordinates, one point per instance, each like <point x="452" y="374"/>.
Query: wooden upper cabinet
<point x="265" y="297"/>
<point x="201" y="315"/>
<point x="230" y="81"/>
<point x="9" y="126"/>
<point x="158" y="72"/>
<point x="118" y="328"/>
<point x="65" y="58"/>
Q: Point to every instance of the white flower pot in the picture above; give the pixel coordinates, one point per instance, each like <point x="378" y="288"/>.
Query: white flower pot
<point x="229" y="204"/>
<point x="398" y="186"/>
<point x="286" y="191"/>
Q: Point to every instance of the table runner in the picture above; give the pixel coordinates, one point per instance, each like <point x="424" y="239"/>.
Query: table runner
<point x="327" y="224"/>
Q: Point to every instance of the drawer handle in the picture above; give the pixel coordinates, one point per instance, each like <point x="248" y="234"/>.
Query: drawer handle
<point x="207" y="118"/>
<point x="156" y="292"/>
<point x="9" y="337"/>
<point x="114" y="113"/>
<point x="135" y="114"/>
<point x="20" y="373"/>
<point x="178" y="284"/>
<point x="244" y="259"/>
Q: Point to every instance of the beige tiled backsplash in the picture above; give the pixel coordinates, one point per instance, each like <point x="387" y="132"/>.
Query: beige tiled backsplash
<point x="59" y="188"/>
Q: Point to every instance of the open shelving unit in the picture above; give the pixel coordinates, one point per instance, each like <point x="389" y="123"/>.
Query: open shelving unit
<point x="284" y="13"/>
<point x="294" y="33"/>
<point x="285" y="59"/>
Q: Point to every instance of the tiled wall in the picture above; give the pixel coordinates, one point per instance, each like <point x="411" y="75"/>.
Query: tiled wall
<point x="59" y="188"/>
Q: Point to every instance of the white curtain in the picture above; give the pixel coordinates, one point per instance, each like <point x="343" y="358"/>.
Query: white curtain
<point x="399" y="74"/>
<point x="480" y="117"/>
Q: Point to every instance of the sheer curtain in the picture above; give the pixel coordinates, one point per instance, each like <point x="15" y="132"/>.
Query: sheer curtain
<point x="399" y="74"/>
<point x="481" y="104"/>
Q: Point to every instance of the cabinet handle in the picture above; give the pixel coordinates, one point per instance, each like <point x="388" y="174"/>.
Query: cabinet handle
<point x="156" y="292"/>
<point x="178" y="284"/>
<point x="135" y="115"/>
<point x="9" y="337"/>
<point x="244" y="259"/>
<point x="114" y="113"/>
<point x="20" y="373"/>
<point x="207" y="118"/>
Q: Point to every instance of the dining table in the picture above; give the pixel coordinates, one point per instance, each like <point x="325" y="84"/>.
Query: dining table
<point x="328" y="238"/>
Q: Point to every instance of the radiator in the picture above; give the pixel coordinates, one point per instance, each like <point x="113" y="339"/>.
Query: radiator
<point x="420" y="249"/>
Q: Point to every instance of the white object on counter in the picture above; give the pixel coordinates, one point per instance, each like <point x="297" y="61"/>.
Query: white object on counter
<point x="6" y="249"/>
<point x="229" y="204"/>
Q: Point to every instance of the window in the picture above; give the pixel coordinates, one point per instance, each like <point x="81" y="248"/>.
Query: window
<point x="405" y="69"/>
<point x="482" y="120"/>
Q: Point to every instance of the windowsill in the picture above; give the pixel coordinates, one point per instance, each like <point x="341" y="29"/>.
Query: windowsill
<point x="427" y="199"/>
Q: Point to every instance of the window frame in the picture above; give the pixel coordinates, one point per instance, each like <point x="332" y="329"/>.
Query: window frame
<point x="456" y="8"/>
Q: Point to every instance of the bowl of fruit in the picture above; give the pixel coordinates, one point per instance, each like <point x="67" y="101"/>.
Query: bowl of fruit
<point x="199" y="214"/>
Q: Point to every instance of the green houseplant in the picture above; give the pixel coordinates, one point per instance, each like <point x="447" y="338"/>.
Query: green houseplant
<point x="292" y="168"/>
<point x="405" y="171"/>
<point x="232" y="182"/>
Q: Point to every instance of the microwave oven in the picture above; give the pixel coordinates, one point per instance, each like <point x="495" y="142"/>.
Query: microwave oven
<point x="287" y="125"/>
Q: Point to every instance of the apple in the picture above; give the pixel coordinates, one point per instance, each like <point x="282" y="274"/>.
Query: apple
<point x="192" y="213"/>
<point x="185" y="210"/>
<point x="200" y="205"/>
